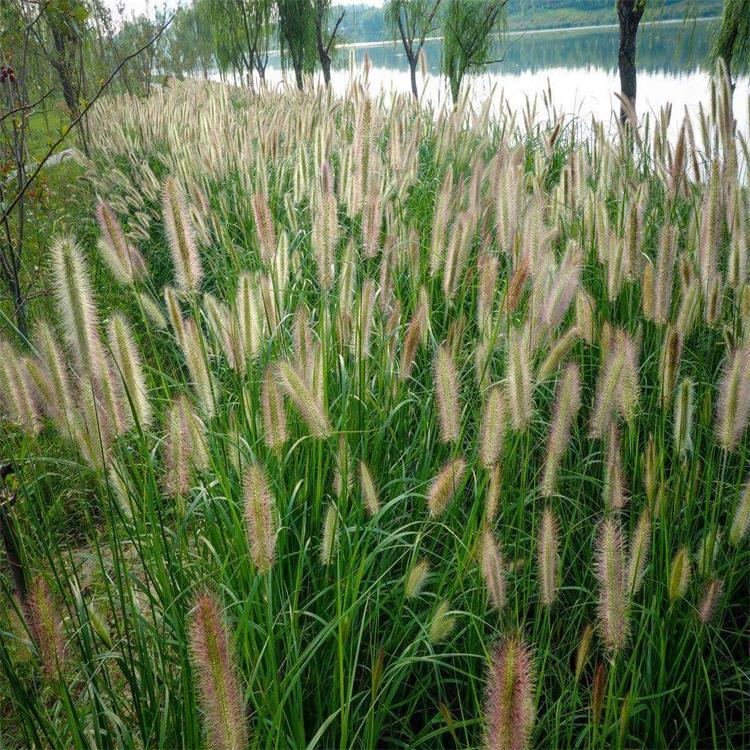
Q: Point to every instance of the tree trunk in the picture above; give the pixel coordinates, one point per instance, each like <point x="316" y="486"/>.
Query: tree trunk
<point x="323" y="56"/>
<point x="413" y="76"/>
<point x="629" y="13"/>
<point x="325" y="64"/>
<point x="455" y="82"/>
<point x="298" y="74"/>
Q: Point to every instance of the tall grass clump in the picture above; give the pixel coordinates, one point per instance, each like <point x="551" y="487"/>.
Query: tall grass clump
<point x="344" y="397"/>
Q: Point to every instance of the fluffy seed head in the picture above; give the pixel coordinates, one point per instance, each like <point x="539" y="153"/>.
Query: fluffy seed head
<point x="509" y="705"/>
<point x="615" y="487"/>
<point x="565" y="410"/>
<point x="582" y="652"/>
<point x="181" y="236"/>
<point x="309" y="406"/>
<point x="274" y="414"/>
<point x="492" y="428"/>
<point x="669" y="363"/>
<point x="56" y="368"/>
<point x="707" y="552"/>
<point x="647" y="290"/>
<point x="733" y="410"/>
<point x="459" y="244"/>
<point x="557" y="354"/>
<point x="124" y="261"/>
<point x="174" y="311"/>
<point x="741" y="519"/>
<point x="411" y="342"/>
<point x="446" y="393"/>
<point x="487" y="267"/>
<point x="710" y="600"/>
<point x="222" y="332"/>
<point x="128" y="365"/>
<point x="76" y="303"/>
<point x="184" y="446"/>
<point x="264" y="229"/>
<point x="247" y="316"/>
<point x="329" y="535"/>
<point x="518" y="375"/>
<point x="416" y="578"/>
<point x="664" y="275"/>
<point x="218" y="684"/>
<point x="365" y="307"/>
<point x="17" y="389"/>
<point x="343" y="472"/>
<point x="369" y="491"/>
<point x="607" y="391"/>
<point x="548" y="557"/>
<point x="598" y="693"/>
<point x="639" y="550"/>
<point x="45" y="627"/>
<point x="492" y="495"/>
<point x="680" y="572"/>
<point x="516" y="285"/>
<point x="493" y="569"/>
<point x="442" y="623"/>
<point x="628" y="389"/>
<point x="152" y="310"/>
<point x="444" y="486"/>
<point x="40" y="392"/>
<point x="585" y="316"/>
<point x="683" y="418"/>
<point x="196" y="358"/>
<point x="261" y="527"/>
<point x="613" y="601"/>
<point x="325" y="229"/>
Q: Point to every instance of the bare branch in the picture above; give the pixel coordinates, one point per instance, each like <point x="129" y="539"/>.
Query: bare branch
<point x="80" y="116"/>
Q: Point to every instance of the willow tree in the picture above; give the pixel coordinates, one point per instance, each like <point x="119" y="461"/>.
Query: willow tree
<point x="732" y="41"/>
<point x="241" y="32"/>
<point x="297" y="39"/>
<point x="471" y="29"/>
<point x="324" y="39"/>
<point x="413" y="21"/>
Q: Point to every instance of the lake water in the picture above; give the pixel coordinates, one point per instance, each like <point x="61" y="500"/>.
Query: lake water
<point x="578" y="66"/>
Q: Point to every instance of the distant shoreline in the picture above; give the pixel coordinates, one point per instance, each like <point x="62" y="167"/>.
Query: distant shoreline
<point x="532" y="32"/>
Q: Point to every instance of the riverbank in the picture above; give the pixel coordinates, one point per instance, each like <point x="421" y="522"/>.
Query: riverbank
<point x="363" y="24"/>
<point x="525" y="32"/>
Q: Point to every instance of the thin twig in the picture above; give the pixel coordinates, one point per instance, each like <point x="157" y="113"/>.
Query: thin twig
<point x="83" y="112"/>
<point x="26" y="106"/>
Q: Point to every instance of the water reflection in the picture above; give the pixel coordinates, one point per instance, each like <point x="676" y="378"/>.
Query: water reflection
<point x="669" y="47"/>
<point x="577" y="66"/>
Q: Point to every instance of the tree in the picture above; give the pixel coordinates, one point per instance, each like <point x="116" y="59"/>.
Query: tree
<point x="297" y="40"/>
<point x="17" y="104"/>
<point x="65" y="21"/>
<point x="732" y="41"/>
<point x="629" y="14"/>
<point x="470" y="29"/>
<point x="133" y="33"/>
<point x="189" y="46"/>
<point x="322" y="8"/>
<point x="413" y="21"/>
<point x="241" y="31"/>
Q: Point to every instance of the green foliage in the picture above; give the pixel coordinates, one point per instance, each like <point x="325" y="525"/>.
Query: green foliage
<point x="296" y="30"/>
<point x="470" y="29"/>
<point x="241" y="31"/>
<point x="732" y="41"/>
<point x="189" y="45"/>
